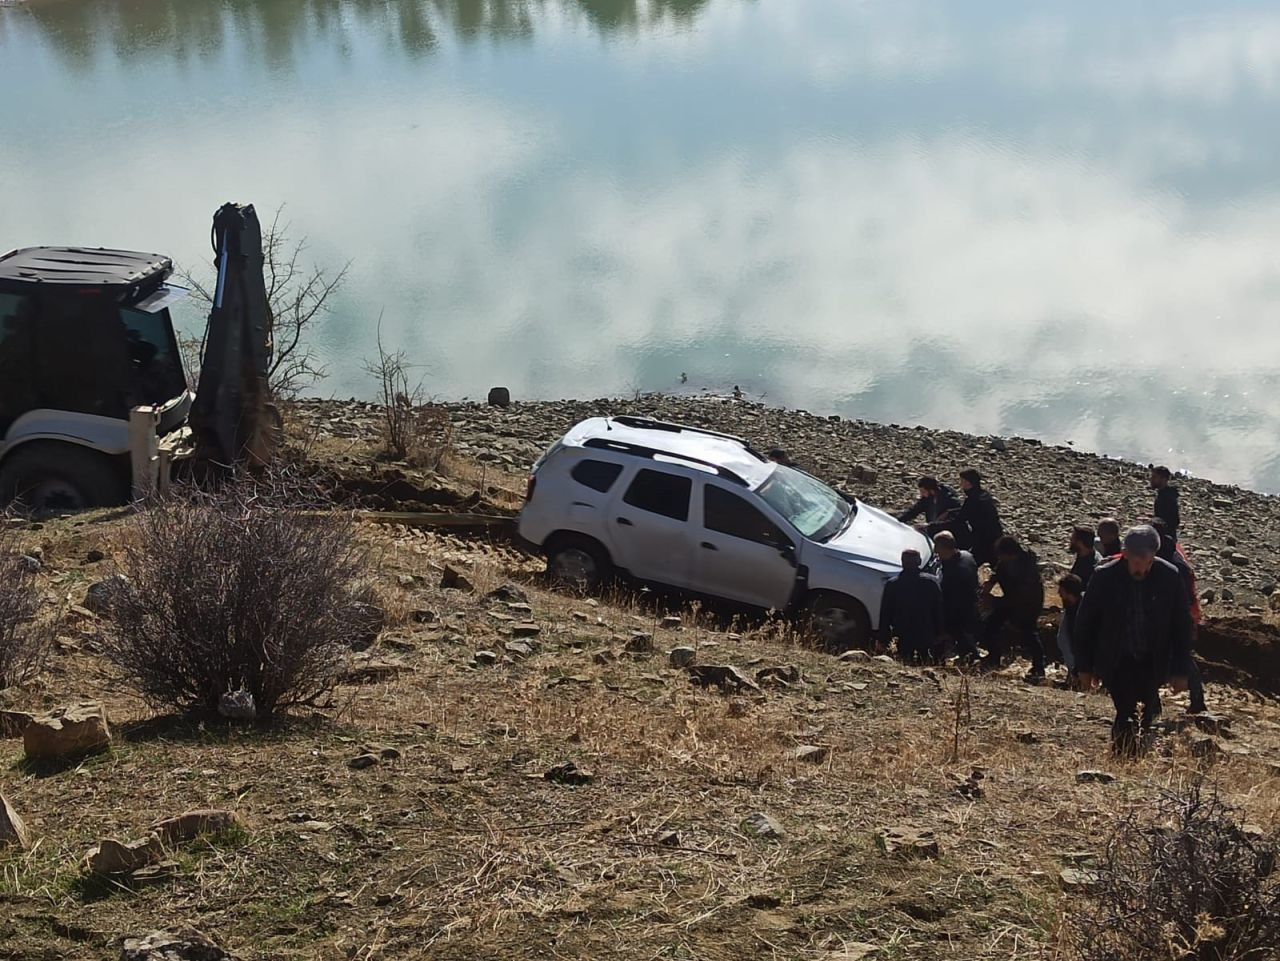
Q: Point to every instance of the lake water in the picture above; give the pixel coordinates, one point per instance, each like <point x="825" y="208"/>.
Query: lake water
<point x="1057" y="220"/>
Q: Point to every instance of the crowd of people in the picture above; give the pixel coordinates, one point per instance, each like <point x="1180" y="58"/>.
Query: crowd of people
<point x="1129" y="605"/>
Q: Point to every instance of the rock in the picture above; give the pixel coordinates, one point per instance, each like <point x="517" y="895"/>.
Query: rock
<point x="569" y="773"/>
<point x="156" y="873"/>
<point x="640" y="643"/>
<point x="68" y="732"/>
<point x="854" y="655"/>
<point x="484" y="658"/>
<point x="1027" y="737"/>
<point x="94" y="556"/>
<point x="1212" y="723"/>
<point x="670" y="623"/>
<point x="499" y="397"/>
<point x="1223" y="503"/>
<point x="13" y="723"/>
<point x="366" y="669"/>
<point x="1228" y="594"/>
<point x="724" y="676"/>
<point x="369" y="618"/>
<point x="237" y="706"/>
<point x="167" y="946"/>
<point x="389" y="754"/>
<point x="1094" y="777"/>
<point x="193" y="824"/>
<point x="579" y="615"/>
<point x="111" y="857"/>
<point x="811" y="754"/>
<point x="999" y="444"/>
<point x="603" y="656"/>
<point x="669" y="839"/>
<point x="1079" y="880"/>
<point x="907" y="843"/>
<point x="1239" y="560"/>
<point x="884" y="659"/>
<point x="518" y="648"/>
<point x="1209" y="596"/>
<point x="507" y="594"/>
<point x="362" y="761"/>
<point x="423" y="616"/>
<point x="100" y="596"/>
<point x="1204" y="746"/>
<point x="454" y="580"/>
<point x="787" y="674"/>
<point x="682" y="656"/>
<point x="29" y="564"/>
<point x="526" y="630"/>
<point x="760" y="825"/>
<point x="13" y="832"/>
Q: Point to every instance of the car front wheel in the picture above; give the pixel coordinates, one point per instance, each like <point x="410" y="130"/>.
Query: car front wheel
<point x="838" y="621"/>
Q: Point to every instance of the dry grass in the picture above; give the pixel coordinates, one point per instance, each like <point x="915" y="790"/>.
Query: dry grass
<point x="460" y="849"/>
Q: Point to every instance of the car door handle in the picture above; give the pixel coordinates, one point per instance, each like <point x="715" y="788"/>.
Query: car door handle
<point x="625" y="523"/>
<point x="707" y="545"/>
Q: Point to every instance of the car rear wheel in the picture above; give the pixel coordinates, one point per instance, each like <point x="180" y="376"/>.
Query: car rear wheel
<point x="46" y="477"/>
<point x="838" y="621"/>
<point x="578" y="563"/>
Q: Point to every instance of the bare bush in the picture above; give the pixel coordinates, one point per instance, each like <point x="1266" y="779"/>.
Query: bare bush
<point x="1196" y="886"/>
<point x="299" y="295"/>
<point x="412" y="429"/>
<point x="24" y="641"/>
<point x="243" y="591"/>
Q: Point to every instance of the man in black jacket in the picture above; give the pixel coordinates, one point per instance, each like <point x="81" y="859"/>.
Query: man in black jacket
<point x="959" y="577"/>
<point x="1086" y="556"/>
<point x="938" y="503"/>
<point x="911" y="607"/>
<point x="1108" y="539"/>
<point x="1166" y="501"/>
<point x="982" y="517"/>
<point x="1169" y="552"/>
<point x="1020" y="603"/>
<point x="1133" y="631"/>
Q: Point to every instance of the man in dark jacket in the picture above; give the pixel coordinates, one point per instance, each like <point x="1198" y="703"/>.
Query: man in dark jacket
<point x="981" y="516"/>
<point x="1170" y="552"/>
<point x="1086" y="556"/>
<point x="959" y="577"/>
<point x="1108" y="539"/>
<point x="1166" y="501"/>
<point x="911" y="607"/>
<point x="1133" y="631"/>
<point x="1021" y="601"/>
<point x="1070" y="592"/>
<point x="938" y="503"/>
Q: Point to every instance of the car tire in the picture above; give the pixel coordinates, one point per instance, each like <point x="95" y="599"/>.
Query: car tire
<point x="578" y="563"/>
<point x="838" y="621"/>
<point x="45" y="477"/>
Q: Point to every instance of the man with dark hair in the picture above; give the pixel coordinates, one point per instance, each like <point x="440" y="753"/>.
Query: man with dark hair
<point x="1108" y="541"/>
<point x="959" y="578"/>
<point x="1086" y="555"/>
<point x="1166" y="500"/>
<point x="1133" y="631"/>
<point x="911" y="607"/>
<point x="938" y="503"/>
<point x="1021" y="600"/>
<point x="1070" y="592"/>
<point x="981" y="515"/>
<point x="780" y="456"/>
<point x="1172" y="553"/>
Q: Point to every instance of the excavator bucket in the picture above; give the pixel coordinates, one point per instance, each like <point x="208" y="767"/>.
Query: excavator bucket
<point x="234" y="419"/>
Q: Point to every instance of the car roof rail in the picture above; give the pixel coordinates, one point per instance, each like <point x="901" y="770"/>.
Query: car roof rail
<point x="650" y="423"/>
<point x="652" y="453"/>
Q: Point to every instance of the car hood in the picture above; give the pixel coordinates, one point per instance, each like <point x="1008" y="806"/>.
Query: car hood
<point x="878" y="540"/>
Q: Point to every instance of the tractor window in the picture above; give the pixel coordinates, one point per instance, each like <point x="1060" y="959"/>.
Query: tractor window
<point x="153" y="356"/>
<point x="17" y="316"/>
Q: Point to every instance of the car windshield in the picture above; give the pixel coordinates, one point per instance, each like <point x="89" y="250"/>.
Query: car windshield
<point x="809" y="505"/>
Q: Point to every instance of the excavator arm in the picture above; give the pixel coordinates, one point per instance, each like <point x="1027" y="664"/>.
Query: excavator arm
<point x="233" y="419"/>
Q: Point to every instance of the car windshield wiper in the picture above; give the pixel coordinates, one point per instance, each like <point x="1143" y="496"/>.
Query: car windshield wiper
<point x="844" y="526"/>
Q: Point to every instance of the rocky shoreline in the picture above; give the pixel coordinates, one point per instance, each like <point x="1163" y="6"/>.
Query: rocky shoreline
<point x="1231" y="534"/>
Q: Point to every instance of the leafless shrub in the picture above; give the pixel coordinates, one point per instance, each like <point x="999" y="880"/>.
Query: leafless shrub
<point x="299" y="295"/>
<point x="242" y="590"/>
<point x="412" y="429"/>
<point x="1196" y="886"/>
<point x="24" y="641"/>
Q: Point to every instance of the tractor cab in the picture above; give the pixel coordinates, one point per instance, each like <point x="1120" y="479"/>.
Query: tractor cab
<point x="86" y="340"/>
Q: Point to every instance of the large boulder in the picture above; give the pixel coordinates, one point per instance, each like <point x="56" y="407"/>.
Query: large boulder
<point x="68" y="732"/>
<point x="171" y="946"/>
<point x="13" y="833"/>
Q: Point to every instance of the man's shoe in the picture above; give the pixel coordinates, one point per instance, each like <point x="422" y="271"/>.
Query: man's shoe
<point x="1034" y="677"/>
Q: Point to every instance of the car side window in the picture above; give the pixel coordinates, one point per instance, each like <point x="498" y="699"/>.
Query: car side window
<point x="727" y="513"/>
<point x="599" y="475"/>
<point x="660" y="493"/>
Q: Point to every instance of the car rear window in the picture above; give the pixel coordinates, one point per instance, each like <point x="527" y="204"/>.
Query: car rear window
<point x="660" y="493"/>
<point x="727" y="513"/>
<point x="597" y="474"/>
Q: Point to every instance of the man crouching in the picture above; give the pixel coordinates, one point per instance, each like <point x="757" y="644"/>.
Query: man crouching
<point x="1133" y="632"/>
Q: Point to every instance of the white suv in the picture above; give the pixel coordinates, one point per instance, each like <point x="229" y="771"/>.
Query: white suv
<point x="703" y="512"/>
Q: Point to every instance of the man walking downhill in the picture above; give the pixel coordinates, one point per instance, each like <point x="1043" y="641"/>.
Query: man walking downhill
<point x="911" y="607"/>
<point x="1085" y="556"/>
<point x="1172" y="553"/>
<point x="1166" y="501"/>
<point x="959" y="577"/>
<point x="1019" y="606"/>
<point x="981" y="515"/>
<point x="1070" y="592"/>
<point x="1108" y="540"/>
<point x="1133" y="631"/>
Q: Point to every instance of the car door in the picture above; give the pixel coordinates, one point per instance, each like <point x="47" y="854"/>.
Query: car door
<point x="649" y="526"/>
<point x="742" y="553"/>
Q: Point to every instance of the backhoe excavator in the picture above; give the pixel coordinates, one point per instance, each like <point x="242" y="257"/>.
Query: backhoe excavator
<point x="95" y="406"/>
